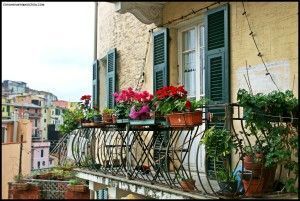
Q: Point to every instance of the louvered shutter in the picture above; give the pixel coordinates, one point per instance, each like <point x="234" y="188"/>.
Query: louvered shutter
<point x="102" y="194"/>
<point x="217" y="68"/>
<point x="217" y="55"/>
<point x="96" y="84"/>
<point x="160" y="79"/>
<point x="111" y="77"/>
<point x="160" y="59"/>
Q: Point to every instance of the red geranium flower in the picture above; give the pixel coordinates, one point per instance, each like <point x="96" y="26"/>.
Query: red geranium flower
<point x="188" y="105"/>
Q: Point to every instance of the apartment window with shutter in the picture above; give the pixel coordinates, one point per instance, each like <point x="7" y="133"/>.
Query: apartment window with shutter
<point x="191" y="56"/>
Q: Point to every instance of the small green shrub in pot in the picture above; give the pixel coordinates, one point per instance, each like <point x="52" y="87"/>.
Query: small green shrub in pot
<point x="271" y="118"/>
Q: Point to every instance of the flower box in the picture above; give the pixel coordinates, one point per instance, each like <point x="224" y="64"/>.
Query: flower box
<point x="21" y="186"/>
<point x="185" y="119"/>
<point x="77" y="188"/>
<point x="122" y="121"/>
<point x="90" y="124"/>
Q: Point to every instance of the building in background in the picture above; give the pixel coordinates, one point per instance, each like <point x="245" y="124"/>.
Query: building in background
<point x="42" y="109"/>
<point x="13" y="87"/>
<point x="10" y="150"/>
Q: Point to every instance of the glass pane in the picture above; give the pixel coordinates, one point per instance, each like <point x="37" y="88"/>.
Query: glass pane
<point x="202" y="36"/>
<point x="201" y="71"/>
<point x="189" y="67"/>
<point x="188" y="40"/>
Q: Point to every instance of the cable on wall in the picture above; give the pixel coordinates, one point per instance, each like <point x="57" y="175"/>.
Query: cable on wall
<point x="259" y="54"/>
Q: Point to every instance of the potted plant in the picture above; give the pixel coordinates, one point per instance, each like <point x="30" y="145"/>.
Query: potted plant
<point x="97" y="116"/>
<point x="123" y="105"/>
<point x="20" y="184"/>
<point x="71" y="120"/>
<point x="172" y="102"/>
<point x="266" y="118"/>
<point x="77" y="185"/>
<point x="141" y="105"/>
<point x="187" y="184"/>
<point x="227" y="181"/>
<point x="107" y="115"/>
<point x="219" y="145"/>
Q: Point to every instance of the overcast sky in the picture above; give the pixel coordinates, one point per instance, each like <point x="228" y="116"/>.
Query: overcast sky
<point x="50" y="47"/>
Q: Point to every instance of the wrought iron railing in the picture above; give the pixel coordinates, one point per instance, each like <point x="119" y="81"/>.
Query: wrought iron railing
<point x="154" y="152"/>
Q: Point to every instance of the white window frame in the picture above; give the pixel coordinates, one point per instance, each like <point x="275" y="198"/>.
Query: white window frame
<point x="197" y="27"/>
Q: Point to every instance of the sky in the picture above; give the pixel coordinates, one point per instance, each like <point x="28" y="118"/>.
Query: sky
<point x="50" y="47"/>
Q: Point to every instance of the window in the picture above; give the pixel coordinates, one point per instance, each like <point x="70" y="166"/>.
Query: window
<point x="38" y="164"/>
<point x="45" y="120"/>
<point x="45" y="111"/>
<point x="36" y="110"/>
<point x="50" y="162"/>
<point x="191" y="59"/>
<point x="43" y="163"/>
<point x="42" y="153"/>
<point x="35" y="122"/>
<point x="57" y="111"/>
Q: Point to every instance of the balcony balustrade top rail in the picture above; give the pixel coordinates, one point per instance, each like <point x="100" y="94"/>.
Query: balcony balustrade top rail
<point x="159" y="154"/>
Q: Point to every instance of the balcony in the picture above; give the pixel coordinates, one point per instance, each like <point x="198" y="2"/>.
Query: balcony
<point x="150" y="158"/>
<point x="35" y="115"/>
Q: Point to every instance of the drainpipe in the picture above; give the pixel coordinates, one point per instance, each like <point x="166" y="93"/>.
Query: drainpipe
<point x="15" y="126"/>
<point x="95" y="31"/>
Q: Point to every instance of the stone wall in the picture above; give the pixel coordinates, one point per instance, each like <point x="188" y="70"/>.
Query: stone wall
<point x="129" y="36"/>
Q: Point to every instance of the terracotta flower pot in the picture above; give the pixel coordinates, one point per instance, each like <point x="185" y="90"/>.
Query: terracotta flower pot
<point x="114" y="119"/>
<point x="107" y="118"/>
<point x="193" y="118"/>
<point x="255" y="167"/>
<point x="185" y="119"/>
<point x="187" y="185"/>
<point x="253" y="187"/>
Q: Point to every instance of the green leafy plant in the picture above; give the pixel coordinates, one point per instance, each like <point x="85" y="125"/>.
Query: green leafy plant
<point x="71" y="120"/>
<point x="218" y="142"/>
<point x="224" y="175"/>
<point x="182" y="105"/>
<point x="75" y="181"/>
<point x="269" y="118"/>
<point x="18" y="178"/>
<point x="108" y="111"/>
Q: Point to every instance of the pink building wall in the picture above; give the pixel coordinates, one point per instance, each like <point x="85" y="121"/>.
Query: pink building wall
<point x="40" y="155"/>
<point x="61" y="103"/>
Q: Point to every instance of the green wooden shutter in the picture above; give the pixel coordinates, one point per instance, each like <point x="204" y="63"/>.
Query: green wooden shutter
<point x="111" y="77"/>
<point x="160" y="79"/>
<point x="217" y="69"/>
<point x="96" y="84"/>
<point x="160" y="59"/>
<point x="217" y="54"/>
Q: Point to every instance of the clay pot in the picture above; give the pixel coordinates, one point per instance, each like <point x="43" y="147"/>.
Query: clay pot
<point x="107" y="118"/>
<point x="253" y="187"/>
<point x="187" y="185"/>
<point x="255" y="167"/>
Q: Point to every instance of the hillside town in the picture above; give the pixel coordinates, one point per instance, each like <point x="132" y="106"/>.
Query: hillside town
<point x="187" y="100"/>
<point x="44" y="112"/>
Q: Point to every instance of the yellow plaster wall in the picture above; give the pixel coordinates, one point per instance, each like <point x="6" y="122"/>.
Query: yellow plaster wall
<point x="275" y="25"/>
<point x="10" y="157"/>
